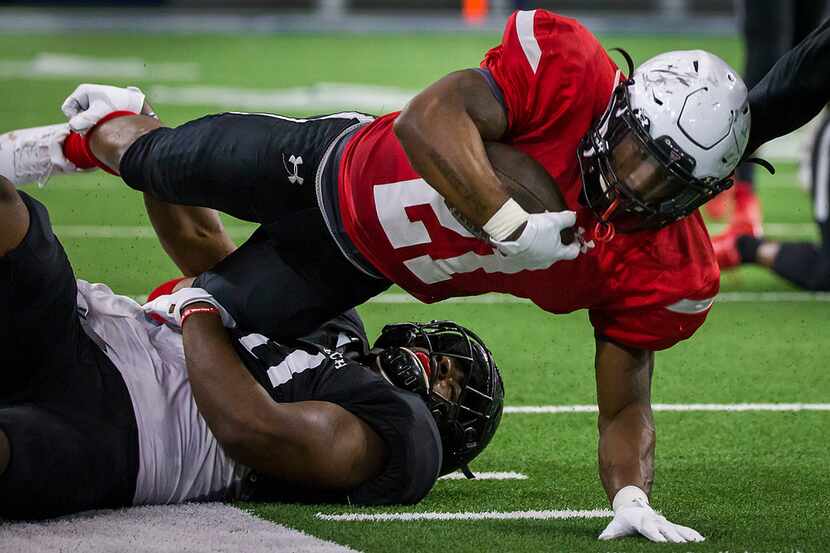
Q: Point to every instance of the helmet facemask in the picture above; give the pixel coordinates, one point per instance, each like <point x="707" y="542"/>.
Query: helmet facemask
<point x="467" y="422"/>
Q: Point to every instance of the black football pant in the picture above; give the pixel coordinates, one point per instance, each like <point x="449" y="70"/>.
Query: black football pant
<point x="291" y="276"/>
<point x="803" y="263"/>
<point x="63" y="405"/>
<point x="771" y="28"/>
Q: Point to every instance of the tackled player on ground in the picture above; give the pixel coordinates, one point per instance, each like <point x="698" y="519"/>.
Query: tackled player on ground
<point x="101" y="407"/>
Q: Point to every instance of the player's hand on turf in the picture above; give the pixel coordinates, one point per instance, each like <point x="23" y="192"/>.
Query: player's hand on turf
<point x="633" y="515"/>
<point x="92" y="102"/>
<point x="170" y="308"/>
<point x="540" y="244"/>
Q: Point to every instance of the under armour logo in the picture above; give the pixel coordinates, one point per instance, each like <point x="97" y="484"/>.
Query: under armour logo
<point x="584" y="244"/>
<point x="293" y="176"/>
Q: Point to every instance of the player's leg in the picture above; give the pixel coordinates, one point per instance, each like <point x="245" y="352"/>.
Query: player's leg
<point x="38" y="304"/>
<point x="289" y="279"/>
<point x="767" y="27"/>
<point x="805" y="264"/>
<point x="62" y="459"/>
<point x="252" y="166"/>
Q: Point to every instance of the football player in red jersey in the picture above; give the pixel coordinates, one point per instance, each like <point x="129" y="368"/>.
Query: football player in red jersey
<point x="637" y="154"/>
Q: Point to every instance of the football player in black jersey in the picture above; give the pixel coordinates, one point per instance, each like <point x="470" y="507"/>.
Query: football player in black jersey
<point x="98" y="404"/>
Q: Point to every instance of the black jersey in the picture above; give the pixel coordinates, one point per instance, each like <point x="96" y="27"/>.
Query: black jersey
<point x="322" y="367"/>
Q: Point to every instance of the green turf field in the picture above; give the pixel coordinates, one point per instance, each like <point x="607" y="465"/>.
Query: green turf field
<point x="747" y="481"/>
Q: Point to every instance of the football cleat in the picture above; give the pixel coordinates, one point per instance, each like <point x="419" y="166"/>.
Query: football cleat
<point x="726" y="250"/>
<point x="746" y="219"/>
<point x="718" y="208"/>
<point x="34" y="155"/>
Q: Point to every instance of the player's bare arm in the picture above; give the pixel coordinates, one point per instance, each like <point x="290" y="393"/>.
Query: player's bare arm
<point x="193" y="237"/>
<point x="626" y="445"/>
<point x="316" y="443"/>
<point x="443" y="130"/>
<point x="626" y="426"/>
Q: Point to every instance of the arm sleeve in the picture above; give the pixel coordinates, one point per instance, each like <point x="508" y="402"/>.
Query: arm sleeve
<point x="794" y="91"/>
<point x="224" y="162"/>
<point x="552" y="73"/>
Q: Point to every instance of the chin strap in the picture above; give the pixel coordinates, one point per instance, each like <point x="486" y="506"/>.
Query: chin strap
<point x="603" y="230"/>
<point x="762" y="162"/>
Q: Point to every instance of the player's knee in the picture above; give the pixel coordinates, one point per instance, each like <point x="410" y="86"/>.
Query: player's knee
<point x="5" y="452"/>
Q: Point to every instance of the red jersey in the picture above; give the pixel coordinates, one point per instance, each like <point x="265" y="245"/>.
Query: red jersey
<point x="649" y="289"/>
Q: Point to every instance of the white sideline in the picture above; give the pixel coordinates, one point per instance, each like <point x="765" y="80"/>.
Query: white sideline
<point x="486" y="476"/>
<point x="191" y="528"/>
<point x="676" y="407"/>
<point x="486" y="515"/>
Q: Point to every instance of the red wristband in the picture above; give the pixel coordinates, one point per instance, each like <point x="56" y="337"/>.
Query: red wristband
<point x="76" y="147"/>
<point x="193" y="310"/>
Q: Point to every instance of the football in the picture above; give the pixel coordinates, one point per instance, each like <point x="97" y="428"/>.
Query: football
<point x="526" y="181"/>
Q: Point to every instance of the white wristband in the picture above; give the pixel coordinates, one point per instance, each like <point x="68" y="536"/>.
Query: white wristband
<point x="505" y="221"/>
<point x="628" y="495"/>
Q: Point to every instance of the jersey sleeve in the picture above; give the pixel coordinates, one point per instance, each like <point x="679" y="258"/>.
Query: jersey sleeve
<point x="550" y="69"/>
<point x="652" y="328"/>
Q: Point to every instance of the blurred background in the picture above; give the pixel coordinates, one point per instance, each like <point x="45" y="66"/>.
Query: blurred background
<point x="647" y="16"/>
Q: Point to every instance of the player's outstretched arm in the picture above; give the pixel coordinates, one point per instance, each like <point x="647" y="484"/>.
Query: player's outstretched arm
<point x="794" y="91"/>
<point x="626" y="445"/>
<point x="315" y="443"/>
<point x="443" y="130"/>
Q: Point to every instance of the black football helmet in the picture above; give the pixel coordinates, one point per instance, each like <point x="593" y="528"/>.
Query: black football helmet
<point x="466" y="424"/>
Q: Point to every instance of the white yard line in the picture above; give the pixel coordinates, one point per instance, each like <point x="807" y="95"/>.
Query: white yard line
<point x="466" y="516"/>
<point x="49" y="65"/>
<point x="675" y="407"/>
<point x="486" y="476"/>
<point x="192" y="528"/>
<point x="319" y="97"/>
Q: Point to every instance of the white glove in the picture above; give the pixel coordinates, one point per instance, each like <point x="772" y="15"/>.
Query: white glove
<point x="633" y="515"/>
<point x="92" y="102"/>
<point x="540" y="244"/>
<point x="169" y="308"/>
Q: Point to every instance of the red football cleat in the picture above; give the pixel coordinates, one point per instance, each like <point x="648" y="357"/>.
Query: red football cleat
<point x="747" y="216"/>
<point x="726" y="250"/>
<point x="718" y="207"/>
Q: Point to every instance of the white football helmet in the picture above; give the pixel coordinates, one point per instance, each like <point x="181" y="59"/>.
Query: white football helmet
<point x="670" y="139"/>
